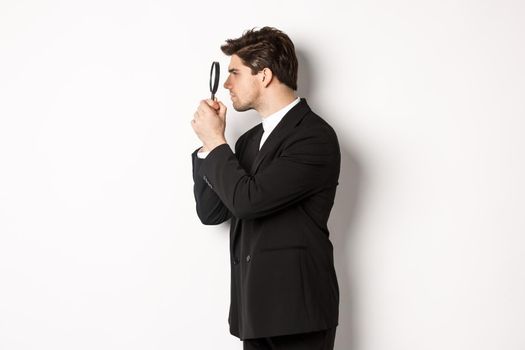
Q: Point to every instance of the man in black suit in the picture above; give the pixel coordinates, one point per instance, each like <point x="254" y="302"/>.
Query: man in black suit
<point x="278" y="189"/>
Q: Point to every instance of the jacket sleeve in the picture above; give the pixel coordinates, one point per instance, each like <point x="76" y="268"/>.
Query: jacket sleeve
<point x="309" y="163"/>
<point x="210" y="209"/>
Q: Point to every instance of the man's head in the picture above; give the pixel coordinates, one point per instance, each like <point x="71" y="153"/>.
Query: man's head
<point x="263" y="62"/>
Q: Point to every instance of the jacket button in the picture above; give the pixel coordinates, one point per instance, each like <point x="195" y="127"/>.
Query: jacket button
<point x="248" y="258"/>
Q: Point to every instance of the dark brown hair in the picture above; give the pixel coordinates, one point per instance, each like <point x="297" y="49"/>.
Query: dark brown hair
<point x="267" y="47"/>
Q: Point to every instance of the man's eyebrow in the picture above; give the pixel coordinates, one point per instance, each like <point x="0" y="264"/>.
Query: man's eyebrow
<point x="231" y="70"/>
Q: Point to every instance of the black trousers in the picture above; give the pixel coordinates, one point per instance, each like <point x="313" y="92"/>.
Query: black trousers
<point x="320" y="340"/>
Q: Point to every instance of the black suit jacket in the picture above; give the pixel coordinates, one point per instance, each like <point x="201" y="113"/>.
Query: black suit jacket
<point x="283" y="279"/>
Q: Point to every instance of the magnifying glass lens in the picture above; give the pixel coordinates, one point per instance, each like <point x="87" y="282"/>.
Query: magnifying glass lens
<point x="214" y="78"/>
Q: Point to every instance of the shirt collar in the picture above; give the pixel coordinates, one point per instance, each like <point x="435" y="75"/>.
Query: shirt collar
<point x="273" y="119"/>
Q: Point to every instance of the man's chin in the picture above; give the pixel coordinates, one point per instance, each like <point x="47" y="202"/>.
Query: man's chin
<point x="241" y="108"/>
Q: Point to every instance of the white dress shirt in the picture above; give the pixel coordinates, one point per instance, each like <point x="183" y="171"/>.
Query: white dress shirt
<point x="269" y="123"/>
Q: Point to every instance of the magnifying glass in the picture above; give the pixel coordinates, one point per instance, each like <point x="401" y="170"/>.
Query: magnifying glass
<point x="214" y="78"/>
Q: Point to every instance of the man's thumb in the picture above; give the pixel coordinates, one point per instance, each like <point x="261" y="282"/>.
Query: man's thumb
<point x="222" y="110"/>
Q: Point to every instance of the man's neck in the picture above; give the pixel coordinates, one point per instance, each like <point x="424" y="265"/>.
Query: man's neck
<point x="275" y="103"/>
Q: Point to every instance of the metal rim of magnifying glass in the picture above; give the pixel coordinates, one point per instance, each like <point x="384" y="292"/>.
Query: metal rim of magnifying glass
<point x="215" y="65"/>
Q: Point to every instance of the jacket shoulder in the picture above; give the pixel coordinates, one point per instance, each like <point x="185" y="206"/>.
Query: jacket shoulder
<point x="312" y="125"/>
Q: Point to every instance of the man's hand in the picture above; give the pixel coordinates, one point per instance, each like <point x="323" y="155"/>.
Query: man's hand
<point x="209" y="123"/>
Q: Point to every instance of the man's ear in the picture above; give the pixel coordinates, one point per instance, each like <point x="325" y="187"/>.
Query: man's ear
<point x="267" y="76"/>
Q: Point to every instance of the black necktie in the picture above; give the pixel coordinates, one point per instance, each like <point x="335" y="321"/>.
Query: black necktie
<point x="254" y="146"/>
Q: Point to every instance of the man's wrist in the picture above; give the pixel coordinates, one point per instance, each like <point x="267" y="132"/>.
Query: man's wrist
<point x="208" y="147"/>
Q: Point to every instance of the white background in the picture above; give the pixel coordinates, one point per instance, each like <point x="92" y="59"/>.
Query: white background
<point x="100" y="245"/>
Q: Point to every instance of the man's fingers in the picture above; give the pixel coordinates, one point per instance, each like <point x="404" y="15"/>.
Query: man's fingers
<point x="204" y="107"/>
<point x="209" y="105"/>
<point x="212" y="103"/>
<point x="194" y="126"/>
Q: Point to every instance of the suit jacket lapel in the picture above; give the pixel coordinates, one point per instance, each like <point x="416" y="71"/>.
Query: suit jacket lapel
<point x="285" y="126"/>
